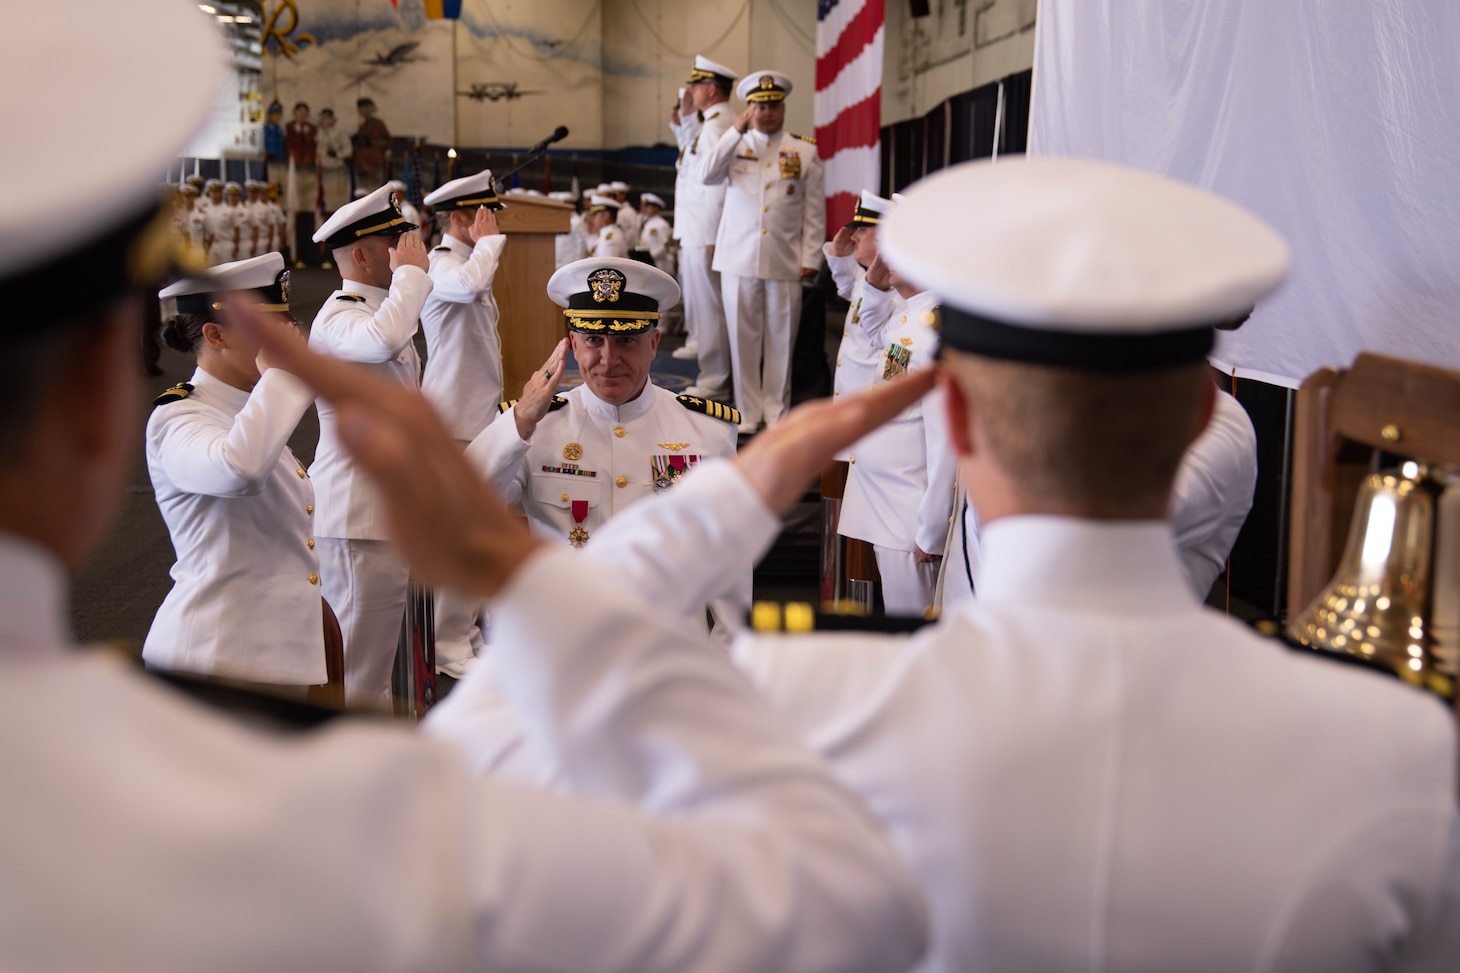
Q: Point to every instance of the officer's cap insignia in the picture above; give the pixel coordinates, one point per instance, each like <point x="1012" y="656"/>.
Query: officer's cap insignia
<point x="605" y="283"/>
<point x="284" y="285"/>
<point x="767" y="82"/>
<point x="350" y="297"/>
<point x="709" y="407"/>
<point x="177" y="393"/>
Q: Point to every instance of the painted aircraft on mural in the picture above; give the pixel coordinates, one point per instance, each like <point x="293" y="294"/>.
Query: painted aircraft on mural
<point x="396" y="56"/>
<point x="496" y="91"/>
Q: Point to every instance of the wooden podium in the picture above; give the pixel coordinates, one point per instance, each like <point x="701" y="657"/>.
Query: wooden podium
<point x="530" y="324"/>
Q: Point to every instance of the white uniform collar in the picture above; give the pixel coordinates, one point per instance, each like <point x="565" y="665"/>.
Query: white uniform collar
<point x="370" y="292"/>
<point x="921" y="301"/>
<point x="1114" y="566"/>
<point x="459" y="247"/>
<point x="759" y="138"/>
<point x="628" y="412"/>
<point x="33" y="592"/>
<point x="218" y="390"/>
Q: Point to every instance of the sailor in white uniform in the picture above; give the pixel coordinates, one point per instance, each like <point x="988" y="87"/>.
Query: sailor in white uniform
<point x="900" y="481"/>
<point x="848" y="255"/>
<point x="463" y="376"/>
<point x="221" y="225"/>
<point x="656" y="233"/>
<point x="407" y="208"/>
<point x="605" y="237"/>
<point x="697" y="211"/>
<point x="574" y="461"/>
<point x="144" y="830"/>
<point x="236" y="504"/>
<point x="627" y="217"/>
<point x="1087" y="768"/>
<point x="769" y="240"/>
<point x="371" y="320"/>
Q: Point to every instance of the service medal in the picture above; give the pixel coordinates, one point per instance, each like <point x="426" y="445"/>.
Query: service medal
<point x="578" y="536"/>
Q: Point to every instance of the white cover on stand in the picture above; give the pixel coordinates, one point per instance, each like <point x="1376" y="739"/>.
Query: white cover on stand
<point x="1337" y="122"/>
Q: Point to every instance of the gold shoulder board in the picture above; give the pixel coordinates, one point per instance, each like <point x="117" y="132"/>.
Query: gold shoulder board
<point x="504" y="406"/>
<point x="350" y="297"/>
<point x="709" y="407"/>
<point x="177" y="393"/>
<point x="557" y="403"/>
<point x="804" y="138"/>
<point x="439" y="249"/>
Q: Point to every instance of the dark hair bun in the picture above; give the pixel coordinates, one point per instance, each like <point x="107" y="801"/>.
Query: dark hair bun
<point x="184" y="331"/>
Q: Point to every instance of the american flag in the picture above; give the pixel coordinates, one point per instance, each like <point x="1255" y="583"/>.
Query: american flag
<point x="848" y="101"/>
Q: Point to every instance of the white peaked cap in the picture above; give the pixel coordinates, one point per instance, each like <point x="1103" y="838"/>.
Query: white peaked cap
<point x="373" y="213"/>
<point x="466" y="192"/>
<point x="763" y="86"/>
<point x="705" y="69"/>
<point x="48" y="92"/>
<point x="650" y="198"/>
<point x="1079" y="262"/>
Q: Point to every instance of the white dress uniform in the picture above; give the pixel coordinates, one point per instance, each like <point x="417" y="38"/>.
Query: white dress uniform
<point x="1213" y="492"/>
<point x="220" y="224"/>
<point x="654" y="237"/>
<point x="899" y="494"/>
<point x="188" y="842"/>
<point x="239" y="511"/>
<point x="611" y="241"/>
<point x="697" y="211"/>
<point x="364" y="578"/>
<point x="773" y="226"/>
<point x="463" y="376"/>
<point x="588" y="460"/>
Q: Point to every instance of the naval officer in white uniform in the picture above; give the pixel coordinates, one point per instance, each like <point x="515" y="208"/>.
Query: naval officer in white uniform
<point x="463" y="375"/>
<point x="145" y="832"/>
<point x="848" y="255"/>
<point x="245" y="601"/>
<point x="372" y="320"/>
<point x="576" y="460"/>
<point x="656" y="233"/>
<point x="697" y="211"/>
<point x="1085" y="767"/>
<point x="605" y="237"/>
<point x="769" y="239"/>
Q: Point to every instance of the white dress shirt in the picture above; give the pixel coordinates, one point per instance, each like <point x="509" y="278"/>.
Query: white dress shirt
<point x="146" y="833"/>
<point x="774" y="221"/>
<point x="698" y="206"/>
<point x="1213" y="492"/>
<point x="373" y="326"/>
<point x="463" y="376"/>
<point x="238" y="507"/>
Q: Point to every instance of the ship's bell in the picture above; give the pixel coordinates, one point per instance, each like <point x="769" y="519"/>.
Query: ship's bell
<point x="1377" y="605"/>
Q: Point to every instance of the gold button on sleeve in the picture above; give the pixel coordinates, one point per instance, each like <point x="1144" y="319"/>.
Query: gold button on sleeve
<point x="622" y="481"/>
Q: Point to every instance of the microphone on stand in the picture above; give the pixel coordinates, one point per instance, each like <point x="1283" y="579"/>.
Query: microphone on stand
<point x="560" y="133"/>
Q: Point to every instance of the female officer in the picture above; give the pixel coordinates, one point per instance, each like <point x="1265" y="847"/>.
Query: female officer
<point x="245" y="602"/>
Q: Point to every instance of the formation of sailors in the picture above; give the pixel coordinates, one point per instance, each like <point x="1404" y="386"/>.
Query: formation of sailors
<point x="1082" y="768"/>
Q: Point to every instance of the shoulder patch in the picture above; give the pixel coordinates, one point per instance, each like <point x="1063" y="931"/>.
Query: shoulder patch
<point x="713" y="114"/>
<point x="711" y="408"/>
<point x="504" y="406"/>
<point x="804" y="138"/>
<point x="177" y="393"/>
<point x="358" y="298"/>
<point x="557" y="403"/>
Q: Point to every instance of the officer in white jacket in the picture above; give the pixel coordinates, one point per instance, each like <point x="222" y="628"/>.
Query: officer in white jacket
<point x="239" y="514"/>
<point x="144" y="831"/>
<point x="656" y="233"/>
<point x="848" y="255"/>
<point x="899" y="493"/>
<point x="574" y="461"/>
<point x="769" y="239"/>
<point x="1086" y="767"/>
<point x="605" y="237"/>
<point x="697" y="211"/>
<point x="371" y="320"/>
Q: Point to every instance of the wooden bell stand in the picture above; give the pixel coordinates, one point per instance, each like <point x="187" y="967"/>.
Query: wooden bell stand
<point x="1343" y="416"/>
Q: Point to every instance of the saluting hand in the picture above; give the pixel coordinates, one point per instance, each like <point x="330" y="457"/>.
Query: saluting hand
<point x="879" y="275"/>
<point x="483" y="224"/>
<point x="451" y="526"/>
<point x="782" y="461"/>
<point x="284" y="331"/>
<point x="408" y="251"/>
<point x="742" y="124"/>
<point x="841" y="244"/>
<point x="537" y="394"/>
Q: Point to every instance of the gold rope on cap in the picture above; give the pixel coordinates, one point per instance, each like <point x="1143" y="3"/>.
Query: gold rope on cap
<point x="482" y="201"/>
<point x="382" y="226"/>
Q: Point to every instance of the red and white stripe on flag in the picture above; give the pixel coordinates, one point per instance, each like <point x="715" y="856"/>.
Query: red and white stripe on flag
<point x="848" y="102"/>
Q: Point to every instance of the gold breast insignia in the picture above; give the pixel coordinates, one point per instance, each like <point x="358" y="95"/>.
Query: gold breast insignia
<point x="572" y="452"/>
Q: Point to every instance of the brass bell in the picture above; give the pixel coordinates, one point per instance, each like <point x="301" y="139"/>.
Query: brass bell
<point x="1377" y="605"/>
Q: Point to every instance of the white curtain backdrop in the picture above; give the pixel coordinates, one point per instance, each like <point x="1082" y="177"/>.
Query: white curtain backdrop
<point x="1336" y="120"/>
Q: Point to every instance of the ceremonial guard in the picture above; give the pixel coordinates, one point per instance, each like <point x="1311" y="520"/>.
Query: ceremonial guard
<point x="240" y="516"/>
<point x="899" y="493"/>
<point x="656" y="234"/>
<point x="463" y="376"/>
<point x="259" y="230"/>
<point x="605" y="238"/>
<point x="697" y="210"/>
<point x="188" y="218"/>
<point x="769" y="239"/>
<point x="222" y="224"/>
<point x="371" y="319"/>
<point x="573" y="461"/>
